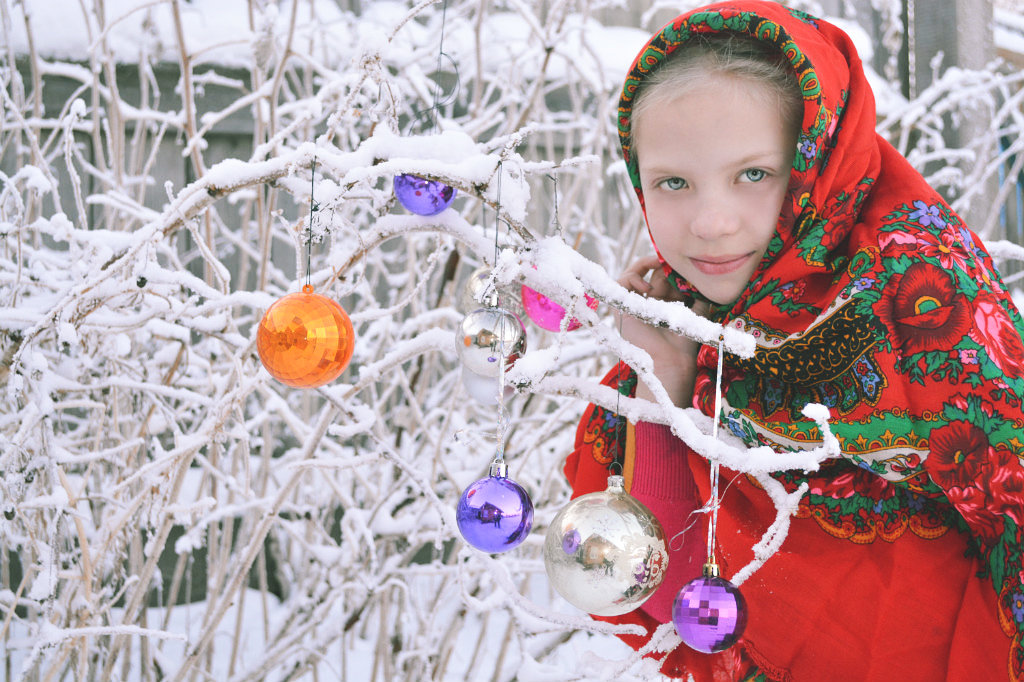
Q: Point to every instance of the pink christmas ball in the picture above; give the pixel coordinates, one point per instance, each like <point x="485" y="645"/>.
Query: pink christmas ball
<point x="547" y="314"/>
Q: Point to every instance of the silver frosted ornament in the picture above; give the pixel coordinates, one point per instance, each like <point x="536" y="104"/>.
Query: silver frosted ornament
<point x="605" y="552"/>
<point x="479" y="291"/>
<point x="485" y="336"/>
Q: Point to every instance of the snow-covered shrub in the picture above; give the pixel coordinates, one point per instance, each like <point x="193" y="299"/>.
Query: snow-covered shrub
<point x="168" y="509"/>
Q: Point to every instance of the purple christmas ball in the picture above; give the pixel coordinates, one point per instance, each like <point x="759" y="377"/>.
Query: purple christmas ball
<point x="494" y="514"/>
<point x="421" y="196"/>
<point x="710" y="614"/>
<point x="571" y="541"/>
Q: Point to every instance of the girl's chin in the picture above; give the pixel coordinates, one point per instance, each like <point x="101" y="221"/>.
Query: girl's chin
<point x="722" y="300"/>
<point x="721" y="294"/>
<point x="719" y="289"/>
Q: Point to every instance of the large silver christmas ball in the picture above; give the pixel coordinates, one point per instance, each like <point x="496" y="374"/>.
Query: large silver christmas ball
<point x="605" y="552"/>
<point x="480" y="292"/>
<point x="486" y="336"/>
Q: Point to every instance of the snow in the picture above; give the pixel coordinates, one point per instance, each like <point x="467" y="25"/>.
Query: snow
<point x="217" y="31"/>
<point x="1008" y="31"/>
<point x="140" y="435"/>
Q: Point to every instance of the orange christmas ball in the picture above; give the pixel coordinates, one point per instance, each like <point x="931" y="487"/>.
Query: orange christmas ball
<point x="305" y="339"/>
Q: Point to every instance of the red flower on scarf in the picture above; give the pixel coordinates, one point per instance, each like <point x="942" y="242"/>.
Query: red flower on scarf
<point x="923" y="310"/>
<point x="959" y="451"/>
<point x="994" y="330"/>
<point x="945" y="246"/>
<point x="793" y="290"/>
<point x="1006" y="485"/>
<point x="972" y="503"/>
<point x="857" y="482"/>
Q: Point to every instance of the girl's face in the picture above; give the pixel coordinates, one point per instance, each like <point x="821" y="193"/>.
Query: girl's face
<point x="714" y="166"/>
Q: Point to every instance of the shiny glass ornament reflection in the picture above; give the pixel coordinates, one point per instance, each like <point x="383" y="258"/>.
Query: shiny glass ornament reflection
<point x="305" y="339"/>
<point x="421" y="196"/>
<point x="485" y="336"/>
<point x="479" y="292"/>
<point x="605" y="552"/>
<point x="547" y="314"/>
<point x="495" y="513"/>
<point x="709" y="612"/>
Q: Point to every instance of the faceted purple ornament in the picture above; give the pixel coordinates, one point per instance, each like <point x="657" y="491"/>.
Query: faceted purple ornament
<point x="494" y="513"/>
<point x="709" y="613"/>
<point x="421" y="196"/>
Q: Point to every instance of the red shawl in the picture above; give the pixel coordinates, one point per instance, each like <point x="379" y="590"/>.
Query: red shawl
<point x="875" y="300"/>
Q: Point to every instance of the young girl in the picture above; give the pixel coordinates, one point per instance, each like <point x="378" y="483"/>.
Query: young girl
<point x="774" y="207"/>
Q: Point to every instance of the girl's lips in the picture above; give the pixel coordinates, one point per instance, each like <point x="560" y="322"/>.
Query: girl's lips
<point x="721" y="265"/>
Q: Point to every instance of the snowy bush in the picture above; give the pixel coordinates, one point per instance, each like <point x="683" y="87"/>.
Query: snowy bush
<point x="169" y="511"/>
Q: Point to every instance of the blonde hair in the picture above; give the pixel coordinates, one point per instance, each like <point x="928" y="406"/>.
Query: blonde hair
<point x="703" y="58"/>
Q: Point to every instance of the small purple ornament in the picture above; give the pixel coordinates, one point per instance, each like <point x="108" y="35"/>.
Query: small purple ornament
<point x="571" y="541"/>
<point x="421" y="196"/>
<point x="494" y="513"/>
<point x="547" y="314"/>
<point x="709" y="613"/>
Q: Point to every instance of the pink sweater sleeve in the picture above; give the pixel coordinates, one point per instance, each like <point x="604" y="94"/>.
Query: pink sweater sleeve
<point x="662" y="480"/>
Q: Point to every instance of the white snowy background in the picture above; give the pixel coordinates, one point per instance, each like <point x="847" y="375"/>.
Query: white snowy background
<point x="169" y="511"/>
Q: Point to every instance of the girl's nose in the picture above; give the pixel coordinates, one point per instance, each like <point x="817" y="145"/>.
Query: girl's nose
<point x="714" y="218"/>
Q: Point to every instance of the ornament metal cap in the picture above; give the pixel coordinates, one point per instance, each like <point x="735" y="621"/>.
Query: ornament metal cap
<point x="711" y="570"/>
<point x="499" y="469"/>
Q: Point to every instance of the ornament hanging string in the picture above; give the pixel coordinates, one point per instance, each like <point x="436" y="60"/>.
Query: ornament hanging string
<point x="554" y="194"/>
<point x="619" y="421"/>
<point x="429" y="117"/>
<point x="313" y="208"/>
<point x="497" y="212"/>
<point x="504" y="418"/>
<point x="714" y="501"/>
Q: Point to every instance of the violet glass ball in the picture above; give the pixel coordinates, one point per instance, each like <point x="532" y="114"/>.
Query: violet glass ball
<point x="422" y="196"/>
<point x="494" y="514"/>
<point x="710" y="614"/>
<point x="547" y="314"/>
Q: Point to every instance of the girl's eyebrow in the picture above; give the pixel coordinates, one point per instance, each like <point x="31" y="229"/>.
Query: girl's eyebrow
<point x="757" y="156"/>
<point x="663" y="167"/>
<point x="666" y="169"/>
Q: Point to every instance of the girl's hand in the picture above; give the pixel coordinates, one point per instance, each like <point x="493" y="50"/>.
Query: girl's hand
<point x="674" y="356"/>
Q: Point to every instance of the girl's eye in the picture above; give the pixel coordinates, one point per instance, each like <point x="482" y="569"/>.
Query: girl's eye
<point x="754" y="175"/>
<point x="673" y="183"/>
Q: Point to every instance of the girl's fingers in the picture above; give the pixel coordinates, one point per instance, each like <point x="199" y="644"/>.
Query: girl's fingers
<point x="634" y="277"/>
<point x="635" y="282"/>
<point x="662" y="288"/>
